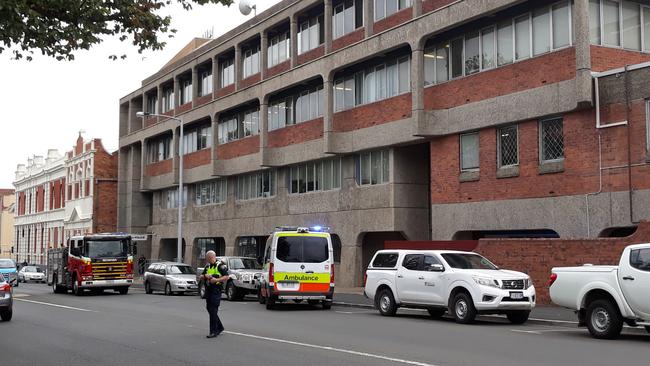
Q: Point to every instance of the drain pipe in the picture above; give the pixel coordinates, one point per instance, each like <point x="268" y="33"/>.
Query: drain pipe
<point x="600" y="183"/>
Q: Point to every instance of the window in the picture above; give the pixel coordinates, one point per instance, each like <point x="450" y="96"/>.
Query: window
<point x="206" y="244"/>
<point x="541" y="35"/>
<point x="611" y="23"/>
<point x="306" y="106"/>
<point x="152" y="104"/>
<point x="428" y="263"/>
<point x="310" y="34"/>
<point x="488" y="49"/>
<point x="279" y="49"/>
<point x="206" y="83"/>
<point x="227" y="72"/>
<point x="646" y="28"/>
<point x="561" y="25"/>
<point x="508" y="146"/>
<point x="412" y="261"/>
<point x="159" y="149"/>
<point x="623" y="24"/>
<point x="170" y="198"/>
<point x="456" y="57"/>
<point x="631" y="31"/>
<point x="239" y="125"/>
<point x="211" y="192"/>
<point x="386" y="8"/>
<point x="522" y="37"/>
<point x="302" y="249"/>
<point x="256" y="185"/>
<point x="197" y="139"/>
<point x="373" y="168"/>
<point x="385" y="260"/>
<point x="594" y="21"/>
<point x="469" y="151"/>
<point x="640" y="259"/>
<point x="317" y="176"/>
<point x="186" y="91"/>
<point x="251" y="61"/>
<point x="472" y="62"/>
<point x="168" y="99"/>
<point x="347" y="16"/>
<point x="504" y="43"/>
<point x="551" y="140"/>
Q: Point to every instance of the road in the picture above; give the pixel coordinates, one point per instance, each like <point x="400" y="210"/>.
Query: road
<point x="139" y="329"/>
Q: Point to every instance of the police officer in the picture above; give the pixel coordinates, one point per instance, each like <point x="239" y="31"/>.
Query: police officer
<point x="214" y="276"/>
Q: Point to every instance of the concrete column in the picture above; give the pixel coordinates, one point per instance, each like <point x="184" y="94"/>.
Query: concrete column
<point x="215" y="75"/>
<point x="195" y="85"/>
<point x="369" y="16"/>
<point x="328" y="26"/>
<point x="328" y="114"/>
<point x="417" y="8"/>
<point x="177" y="92"/>
<point x="264" y="130"/>
<point x="417" y="88"/>
<point x="264" y="49"/>
<point x="159" y="96"/>
<point x="238" y="66"/>
<point x="583" y="52"/>
<point x="294" y="39"/>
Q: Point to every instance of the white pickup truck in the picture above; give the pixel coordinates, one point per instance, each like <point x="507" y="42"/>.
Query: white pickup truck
<point x="463" y="283"/>
<point x="605" y="297"/>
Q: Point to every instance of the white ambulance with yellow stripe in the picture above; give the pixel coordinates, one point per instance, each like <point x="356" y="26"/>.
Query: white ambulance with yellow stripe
<point x="298" y="266"/>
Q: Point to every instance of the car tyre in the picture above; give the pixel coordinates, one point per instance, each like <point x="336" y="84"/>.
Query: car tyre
<point x="385" y="303"/>
<point x="260" y="298"/>
<point x="647" y="328"/>
<point x="202" y="290"/>
<point x="463" y="308"/>
<point x="327" y="305"/>
<point x="604" y="320"/>
<point x="168" y="289"/>
<point x="6" y="315"/>
<point x="231" y="291"/>
<point x="270" y="302"/>
<point x="123" y="290"/>
<point x="436" y="313"/>
<point x="518" y="317"/>
<point x="75" y="288"/>
<point x="147" y="288"/>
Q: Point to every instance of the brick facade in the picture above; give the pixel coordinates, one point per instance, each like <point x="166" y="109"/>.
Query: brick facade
<point x="296" y="134"/>
<point x="159" y="168"/>
<point x="278" y="69"/>
<point x="373" y="114"/>
<point x="251" y="80"/>
<point x="393" y="20"/>
<point x="224" y="91"/>
<point x="348" y="39"/>
<point x="246" y="146"/>
<point x="607" y="58"/>
<point x="311" y="54"/>
<point x="431" y="5"/>
<point x="197" y="158"/>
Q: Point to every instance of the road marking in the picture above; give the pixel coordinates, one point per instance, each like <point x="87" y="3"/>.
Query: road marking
<point x="542" y="331"/>
<point x="57" y="305"/>
<point x="334" y="349"/>
<point x="354" y="312"/>
<point x="21" y="295"/>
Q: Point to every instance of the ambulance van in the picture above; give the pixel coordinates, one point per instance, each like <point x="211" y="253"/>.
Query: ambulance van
<point x="298" y="265"/>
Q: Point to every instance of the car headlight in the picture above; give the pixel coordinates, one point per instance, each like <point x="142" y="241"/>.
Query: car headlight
<point x="487" y="282"/>
<point x="528" y="283"/>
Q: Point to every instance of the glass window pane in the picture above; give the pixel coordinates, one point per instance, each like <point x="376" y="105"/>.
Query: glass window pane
<point x="471" y="53"/>
<point x="646" y="29"/>
<point x="631" y="26"/>
<point x="457" y="58"/>
<point x="561" y="25"/>
<point x="349" y="92"/>
<point x="375" y="172"/>
<point x="313" y="35"/>
<point x="302" y="172"/>
<point x="522" y="38"/>
<point x="365" y="168"/>
<point x="488" y="49"/>
<point x="504" y="43"/>
<point x="349" y="20"/>
<point x="313" y="105"/>
<point x="380" y="9"/>
<point x="384" y="166"/>
<point x="336" y="173"/>
<point x="469" y="148"/>
<point x="380" y="76"/>
<point x="310" y="177"/>
<point x="611" y="26"/>
<point x="392" y="79"/>
<point x="508" y="148"/>
<point x="552" y="140"/>
<point x="442" y="63"/>
<point x="327" y="175"/>
<point x="594" y="21"/>
<point x="391" y="7"/>
<point x="369" y="84"/>
<point x="429" y="66"/>
<point x="541" y="31"/>
<point x="404" y="75"/>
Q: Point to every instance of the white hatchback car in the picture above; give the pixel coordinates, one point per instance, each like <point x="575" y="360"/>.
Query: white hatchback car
<point x="31" y="273"/>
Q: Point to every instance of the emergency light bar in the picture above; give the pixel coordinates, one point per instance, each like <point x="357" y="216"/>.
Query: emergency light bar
<point x="317" y="229"/>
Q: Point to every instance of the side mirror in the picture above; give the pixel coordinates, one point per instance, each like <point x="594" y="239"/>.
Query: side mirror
<point x="437" y="268"/>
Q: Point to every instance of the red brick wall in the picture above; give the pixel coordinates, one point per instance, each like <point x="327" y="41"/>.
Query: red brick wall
<point x="279" y="68"/>
<point x="311" y="54"/>
<point x="197" y="158"/>
<point x="250" y="81"/>
<point x="150" y="121"/>
<point x="203" y="99"/>
<point x="523" y="75"/>
<point x="580" y="174"/>
<point x="348" y="39"/>
<point x="105" y="206"/>
<point x="105" y="164"/>
<point x="431" y="5"/>
<point x="295" y="134"/>
<point x="388" y="110"/>
<point x="246" y="146"/>
<point x="40" y="199"/>
<point x="159" y="168"/>
<point x="184" y="108"/>
<point x="224" y="91"/>
<point x="607" y="58"/>
<point x="393" y="20"/>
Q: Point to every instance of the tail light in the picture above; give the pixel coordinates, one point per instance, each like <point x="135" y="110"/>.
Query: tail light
<point x="332" y="275"/>
<point x="552" y="279"/>
<point x="6" y="287"/>
<point x="271" y="276"/>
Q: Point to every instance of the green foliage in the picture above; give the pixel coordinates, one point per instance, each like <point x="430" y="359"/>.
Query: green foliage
<point x="58" y="28"/>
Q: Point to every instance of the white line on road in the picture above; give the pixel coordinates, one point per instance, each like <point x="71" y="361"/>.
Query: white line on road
<point x="539" y="332"/>
<point x="328" y="348"/>
<point x="57" y="305"/>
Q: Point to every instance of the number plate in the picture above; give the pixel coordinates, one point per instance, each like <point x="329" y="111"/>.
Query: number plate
<point x="516" y="295"/>
<point x="192" y="286"/>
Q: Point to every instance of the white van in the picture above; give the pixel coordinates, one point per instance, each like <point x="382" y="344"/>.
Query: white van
<point x="298" y="265"/>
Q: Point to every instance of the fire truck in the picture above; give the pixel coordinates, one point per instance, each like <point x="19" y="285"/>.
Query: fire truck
<point x="93" y="262"/>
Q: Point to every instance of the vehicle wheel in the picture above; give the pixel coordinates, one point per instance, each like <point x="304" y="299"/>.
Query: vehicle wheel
<point x="55" y="286"/>
<point x="168" y="289"/>
<point x="436" y="312"/>
<point x="603" y="320"/>
<point x="6" y="315"/>
<point x="261" y="299"/>
<point x="518" y="317"/>
<point x="647" y="328"/>
<point x="327" y="305"/>
<point x="385" y="302"/>
<point x="463" y="308"/>
<point x="123" y="290"/>
<point x="270" y="302"/>
<point x="313" y="302"/>
<point x="231" y="291"/>
<point x="75" y="288"/>
<point x="147" y="288"/>
<point x="297" y="301"/>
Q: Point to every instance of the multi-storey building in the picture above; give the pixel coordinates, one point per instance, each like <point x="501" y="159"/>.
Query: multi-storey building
<point x="7" y="207"/>
<point x="387" y="119"/>
<point x="63" y="196"/>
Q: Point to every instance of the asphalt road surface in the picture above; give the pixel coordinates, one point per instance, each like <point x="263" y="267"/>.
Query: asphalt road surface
<point x="139" y="329"/>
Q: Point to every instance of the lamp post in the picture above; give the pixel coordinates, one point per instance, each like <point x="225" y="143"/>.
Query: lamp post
<point x="179" y="244"/>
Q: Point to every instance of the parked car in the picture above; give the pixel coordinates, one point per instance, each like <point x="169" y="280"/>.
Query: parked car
<point x="244" y="277"/>
<point x="8" y="271"/>
<point x="31" y="273"/>
<point x="605" y="297"/>
<point x="463" y="283"/>
<point x="170" y="278"/>
<point x="6" y="300"/>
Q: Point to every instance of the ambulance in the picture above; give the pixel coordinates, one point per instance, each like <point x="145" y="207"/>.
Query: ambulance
<point x="298" y="265"/>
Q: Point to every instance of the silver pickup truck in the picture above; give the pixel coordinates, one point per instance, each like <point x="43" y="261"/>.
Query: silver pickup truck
<point x="244" y="277"/>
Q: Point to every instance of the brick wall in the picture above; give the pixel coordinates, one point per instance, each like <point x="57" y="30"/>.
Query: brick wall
<point x="246" y="146"/>
<point x="159" y="168"/>
<point x="519" y="76"/>
<point x="431" y="5"/>
<point x="197" y="158"/>
<point x="40" y="199"/>
<point x="203" y="99"/>
<point x="295" y="134"/>
<point x="224" y="91"/>
<point x="183" y="108"/>
<point x="393" y="20"/>
<point x="105" y="206"/>
<point x="388" y="110"/>
<point x="254" y="79"/>
<point x="311" y="54"/>
<point x="150" y="121"/>
<point x="348" y="39"/>
<point x="607" y="58"/>
<point x="279" y="68"/>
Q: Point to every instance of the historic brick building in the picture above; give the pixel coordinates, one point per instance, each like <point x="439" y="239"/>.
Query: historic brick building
<point x="392" y="119"/>
<point x="62" y="196"/>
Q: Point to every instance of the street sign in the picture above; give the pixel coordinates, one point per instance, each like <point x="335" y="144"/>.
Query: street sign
<point x="139" y="237"/>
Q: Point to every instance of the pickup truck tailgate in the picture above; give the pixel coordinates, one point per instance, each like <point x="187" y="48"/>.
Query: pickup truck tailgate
<point x="571" y="283"/>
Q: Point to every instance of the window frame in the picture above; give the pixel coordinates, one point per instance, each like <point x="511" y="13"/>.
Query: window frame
<point x="499" y="147"/>
<point x="478" y="150"/>
<point x="205" y="79"/>
<point x="359" y="167"/>
<point x="215" y="190"/>
<point x="541" y="149"/>
<point x="224" y="66"/>
<point x="408" y="4"/>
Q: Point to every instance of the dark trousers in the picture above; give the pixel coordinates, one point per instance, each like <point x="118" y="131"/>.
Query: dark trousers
<point x="212" y="302"/>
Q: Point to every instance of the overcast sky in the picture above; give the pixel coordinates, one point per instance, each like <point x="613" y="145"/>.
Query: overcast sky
<point x="45" y="103"/>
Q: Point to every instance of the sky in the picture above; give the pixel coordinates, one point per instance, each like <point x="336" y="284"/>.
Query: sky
<point x="45" y="103"/>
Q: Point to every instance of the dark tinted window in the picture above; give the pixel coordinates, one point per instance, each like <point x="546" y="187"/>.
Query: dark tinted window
<point x="385" y="260"/>
<point x="412" y="261"/>
<point x="640" y="259"/>
<point x="7" y="263"/>
<point x="429" y="261"/>
<point x="180" y="270"/>
<point x="302" y="249"/>
<point x="468" y="261"/>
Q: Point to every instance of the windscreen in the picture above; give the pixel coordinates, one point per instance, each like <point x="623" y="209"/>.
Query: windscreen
<point x="302" y="249"/>
<point x="33" y="269"/>
<point x="468" y="261"/>
<point x="244" y="263"/>
<point x="106" y="248"/>
<point x="180" y="270"/>
<point x="7" y="263"/>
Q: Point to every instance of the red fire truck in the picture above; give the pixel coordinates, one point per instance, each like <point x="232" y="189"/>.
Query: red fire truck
<point x="94" y="262"/>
